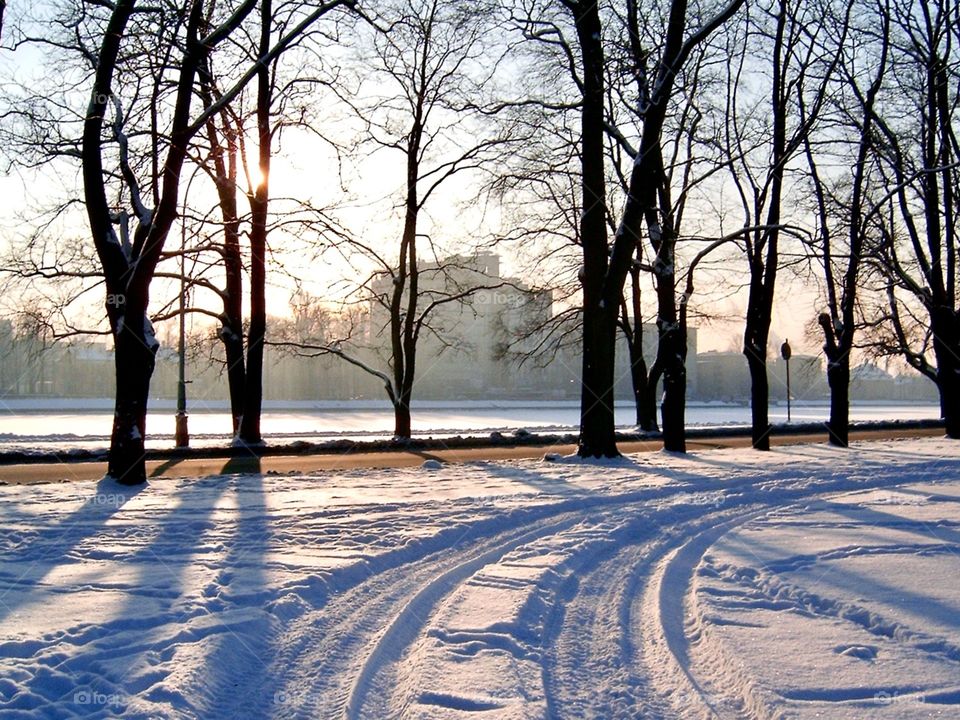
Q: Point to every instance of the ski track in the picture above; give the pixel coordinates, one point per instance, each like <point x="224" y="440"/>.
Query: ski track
<point x="581" y="602"/>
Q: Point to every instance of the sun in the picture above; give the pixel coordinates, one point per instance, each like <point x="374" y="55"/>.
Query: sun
<point x="257" y="176"/>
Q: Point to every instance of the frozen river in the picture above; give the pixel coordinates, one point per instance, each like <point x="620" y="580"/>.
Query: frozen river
<point x="62" y="423"/>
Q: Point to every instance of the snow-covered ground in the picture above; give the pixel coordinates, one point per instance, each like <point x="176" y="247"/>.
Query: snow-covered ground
<point x="806" y="582"/>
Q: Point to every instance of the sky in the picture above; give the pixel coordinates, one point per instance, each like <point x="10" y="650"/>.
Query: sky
<point x="305" y="164"/>
<point x="306" y="168"/>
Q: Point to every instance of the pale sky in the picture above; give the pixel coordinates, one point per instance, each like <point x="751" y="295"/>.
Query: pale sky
<point x="306" y="168"/>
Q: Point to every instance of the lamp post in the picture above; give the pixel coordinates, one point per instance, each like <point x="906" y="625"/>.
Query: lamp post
<point x="182" y="436"/>
<point x="182" y="433"/>
<point x="786" y="352"/>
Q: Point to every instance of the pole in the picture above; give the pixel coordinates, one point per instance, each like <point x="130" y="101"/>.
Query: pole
<point x="182" y="433"/>
<point x="786" y="352"/>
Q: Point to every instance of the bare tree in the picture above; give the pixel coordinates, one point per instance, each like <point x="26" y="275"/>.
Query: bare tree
<point x="129" y="263"/>
<point x="599" y="321"/>
<point x="249" y="430"/>
<point x="232" y="160"/>
<point x="691" y="158"/>
<point x="577" y="41"/>
<point x="845" y="215"/>
<point x="224" y="133"/>
<point x="919" y="150"/>
<point x="764" y="137"/>
<point x="649" y="204"/>
<point x="424" y="68"/>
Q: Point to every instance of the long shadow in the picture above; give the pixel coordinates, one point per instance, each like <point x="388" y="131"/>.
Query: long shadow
<point x="872" y="516"/>
<point x="166" y="465"/>
<point x="239" y="663"/>
<point x="537" y="480"/>
<point x="35" y="552"/>
<point x="834" y="575"/>
<point x="425" y="455"/>
<point x="242" y="465"/>
<point x="120" y="656"/>
<point x="926" y="495"/>
<point x="909" y="600"/>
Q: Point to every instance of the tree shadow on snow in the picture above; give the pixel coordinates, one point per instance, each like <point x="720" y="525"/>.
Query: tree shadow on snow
<point x="50" y="541"/>
<point x="162" y="607"/>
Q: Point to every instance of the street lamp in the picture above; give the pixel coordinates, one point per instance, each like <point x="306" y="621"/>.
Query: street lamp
<point x="786" y="352"/>
<point x="182" y="435"/>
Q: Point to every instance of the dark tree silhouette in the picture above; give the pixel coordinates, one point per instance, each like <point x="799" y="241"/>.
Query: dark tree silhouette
<point x="129" y="265"/>
<point x="919" y="149"/>
<point x="844" y="209"/>
<point x="795" y="57"/>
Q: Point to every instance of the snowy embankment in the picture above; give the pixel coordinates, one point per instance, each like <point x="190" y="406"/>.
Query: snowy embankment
<point x="59" y="426"/>
<point x="806" y="582"/>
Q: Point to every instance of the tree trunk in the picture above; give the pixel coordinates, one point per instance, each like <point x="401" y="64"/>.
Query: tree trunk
<point x="671" y="338"/>
<point x="253" y="384"/>
<point x="763" y="252"/>
<point x="838" y="377"/>
<point x="134" y="358"/>
<point x="597" y="424"/>
<point x="231" y="332"/>
<point x="644" y="400"/>
<point x="946" y="346"/>
<point x="401" y="420"/>
<point x="650" y="396"/>
<point x="759" y="389"/>
<point x="259" y="207"/>
<point x="597" y="433"/>
<point x="404" y="399"/>
<point x="673" y="405"/>
<point x="950" y="406"/>
<point x="232" y="339"/>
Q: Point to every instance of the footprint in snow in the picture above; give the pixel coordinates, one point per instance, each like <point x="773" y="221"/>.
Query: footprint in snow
<point x="861" y="652"/>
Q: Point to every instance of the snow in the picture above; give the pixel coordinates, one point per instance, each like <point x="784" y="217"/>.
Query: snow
<point x="149" y="336"/>
<point x="805" y="582"/>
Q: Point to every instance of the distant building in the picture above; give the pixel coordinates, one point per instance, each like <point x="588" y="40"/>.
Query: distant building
<point x="808" y="378"/>
<point x="460" y="352"/>
<point x="869" y="382"/>
<point x="723" y="376"/>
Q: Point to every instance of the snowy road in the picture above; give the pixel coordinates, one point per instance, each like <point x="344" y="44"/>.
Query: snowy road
<point x="806" y="582"/>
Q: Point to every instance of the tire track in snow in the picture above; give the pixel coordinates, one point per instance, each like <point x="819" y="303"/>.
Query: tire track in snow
<point x="408" y="623"/>
<point x="360" y="629"/>
<point x="597" y="637"/>
<point x="321" y="652"/>
<point x="622" y="618"/>
<point x="696" y="683"/>
<point x="339" y="650"/>
<point x="626" y="622"/>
